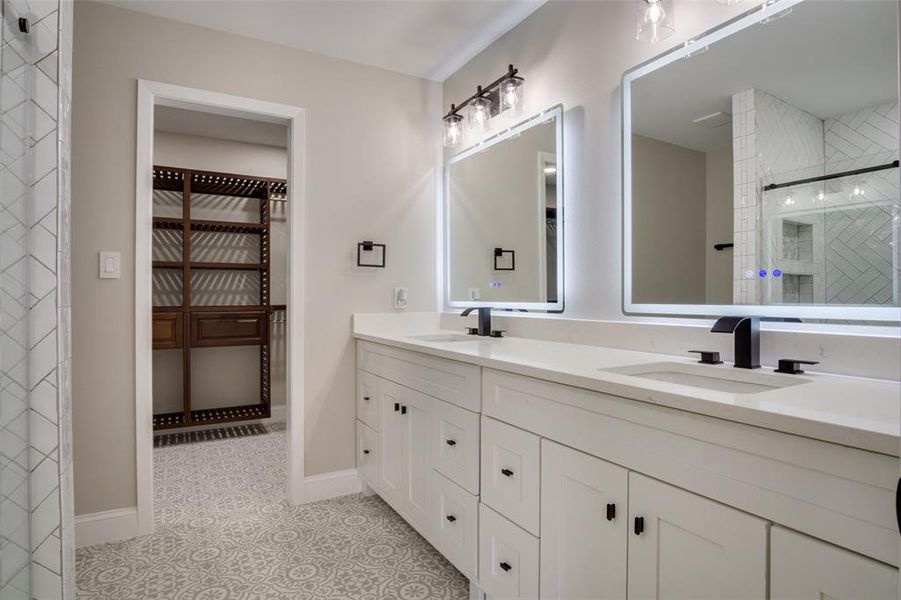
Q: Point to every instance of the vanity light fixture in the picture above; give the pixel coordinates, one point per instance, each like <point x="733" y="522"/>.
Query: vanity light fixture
<point x="502" y="94"/>
<point x="453" y="128"/>
<point x="654" y="21"/>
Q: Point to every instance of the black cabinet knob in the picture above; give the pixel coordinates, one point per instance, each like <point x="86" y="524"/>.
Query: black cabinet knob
<point x="505" y="566"/>
<point x="639" y="525"/>
<point x="365" y="451"/>
<point x="396" y="406"/>
<point x="611" y="512"/>
<point x="403" y="409"/>
<point x="451" y="442"/>
<point x="451" y="518"/>
<point x="507" y="472"/>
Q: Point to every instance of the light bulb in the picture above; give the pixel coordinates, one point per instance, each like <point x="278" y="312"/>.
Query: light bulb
<point x="479" y="114"/>
<point x="821" y="195"/>
<point x="453" y="129"/>
<point x="511" y="93"/>
<point x="654" y="14"/>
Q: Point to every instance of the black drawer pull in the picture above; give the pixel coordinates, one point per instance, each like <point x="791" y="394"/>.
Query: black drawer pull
<point x="507" y="472"/>
<point x="505" y="566"/>
<point x="451" y="518"/>
<point x="451" y="442"/>
<point x="366" y="398"/>
<point x="611" y="512"/>
<point x="639" y="525"/>
<point x="396" y="406"/>
<point x="365" y="451"/>
<point x="403" y="409"/>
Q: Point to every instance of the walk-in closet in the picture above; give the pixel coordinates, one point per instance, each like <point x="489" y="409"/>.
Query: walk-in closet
<point x="219" y="269"/>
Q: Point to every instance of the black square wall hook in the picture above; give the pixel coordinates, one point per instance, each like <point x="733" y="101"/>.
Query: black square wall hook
<point x="499" y="257"/>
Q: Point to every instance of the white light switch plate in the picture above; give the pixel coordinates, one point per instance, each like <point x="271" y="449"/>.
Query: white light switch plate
<point x="109" y="265"/>
<point x="400" y="298"/>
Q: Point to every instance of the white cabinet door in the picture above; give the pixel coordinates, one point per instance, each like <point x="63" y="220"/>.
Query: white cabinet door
<point x="584" y="530"/>
<point x="416" y="415"/>
<point x="685" y="547"/>
<point x="456" y="444"/>
<point x="804" y="568"/>
<point x="455" y="524"/>
<point x="391" y="442"/>
<point x="508" y="558"/>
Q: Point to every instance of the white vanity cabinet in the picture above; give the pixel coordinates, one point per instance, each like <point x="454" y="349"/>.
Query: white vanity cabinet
<point x="534" y="489"/>
<point x="804" y="568"/>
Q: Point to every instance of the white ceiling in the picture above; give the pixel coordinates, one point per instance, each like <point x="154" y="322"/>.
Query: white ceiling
<point x="425" y="38"/>
<point x="826" y="58"/>
<point x="192" y="122"/>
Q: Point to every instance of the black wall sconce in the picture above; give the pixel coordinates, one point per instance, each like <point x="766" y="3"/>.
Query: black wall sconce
<point x="499" y="254"/>
<point x="370" y="249"/>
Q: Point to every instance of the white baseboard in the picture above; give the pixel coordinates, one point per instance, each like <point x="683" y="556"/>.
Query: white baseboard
<point x="106" y="526"/>
<point x="332" y="485"/>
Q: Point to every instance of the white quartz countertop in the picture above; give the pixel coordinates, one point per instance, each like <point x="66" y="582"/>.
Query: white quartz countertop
<point x="852" y="411"/>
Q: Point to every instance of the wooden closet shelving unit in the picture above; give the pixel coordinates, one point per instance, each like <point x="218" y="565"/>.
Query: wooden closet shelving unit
<point x="189" y="326"/>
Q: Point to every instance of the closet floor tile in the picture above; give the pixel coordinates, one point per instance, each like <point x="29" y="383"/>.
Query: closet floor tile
<point x="224" y="530"/>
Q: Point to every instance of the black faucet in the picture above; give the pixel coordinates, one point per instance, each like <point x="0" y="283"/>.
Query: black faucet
<point x="484" y="320"/>
<point x="747" y="339"/>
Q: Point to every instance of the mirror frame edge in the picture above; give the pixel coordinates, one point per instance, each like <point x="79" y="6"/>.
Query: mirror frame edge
<point x="554" y="112"/>
<point x="743" y="21"/>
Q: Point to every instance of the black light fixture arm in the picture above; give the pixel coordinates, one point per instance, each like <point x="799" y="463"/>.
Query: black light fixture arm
<point x="483" y="90"/>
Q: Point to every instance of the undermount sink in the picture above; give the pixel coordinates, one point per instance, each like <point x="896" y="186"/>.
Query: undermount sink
<point x="444" y="337"/>
<point x="709" y="377"/>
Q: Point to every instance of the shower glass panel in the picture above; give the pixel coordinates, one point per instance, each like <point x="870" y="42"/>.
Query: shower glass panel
<point x="16" y="79"/>
<point x="834" y="241"/>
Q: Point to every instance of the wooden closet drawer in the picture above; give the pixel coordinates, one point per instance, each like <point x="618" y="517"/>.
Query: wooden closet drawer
<point x="168" y="329"/>
<point x="456" y="444"/>
<point x="511" y="469"/>
<point x="229" y="329"/>
<point x="455" y="523"/>
<point x="508" y="557"/>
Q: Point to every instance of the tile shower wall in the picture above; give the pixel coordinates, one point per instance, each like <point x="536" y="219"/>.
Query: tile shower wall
<point x="37" y="546"/>
<point x="770" y="137"/>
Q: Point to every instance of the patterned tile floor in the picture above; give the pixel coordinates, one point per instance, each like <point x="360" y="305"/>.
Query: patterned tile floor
<point x="225" y="531"/>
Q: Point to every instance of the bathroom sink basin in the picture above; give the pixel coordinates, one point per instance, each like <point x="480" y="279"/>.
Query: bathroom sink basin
<point x="444" y="337"/>
<point x="708" y="377"/>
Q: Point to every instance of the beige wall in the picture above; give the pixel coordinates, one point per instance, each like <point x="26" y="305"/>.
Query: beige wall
<point x="669" y="200"/>
<point x="575" y="53"/>
<point x="719" y="226"/>
<point x="371" y="153"/>
<point x="227" y="376"/>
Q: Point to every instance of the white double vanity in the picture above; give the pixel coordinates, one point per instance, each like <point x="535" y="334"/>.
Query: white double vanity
<point x="554" y="470"/>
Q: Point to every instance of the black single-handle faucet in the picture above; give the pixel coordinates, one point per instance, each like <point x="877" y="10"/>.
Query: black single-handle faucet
<point x="747" y="339"/>
<point x="484" y="319"/>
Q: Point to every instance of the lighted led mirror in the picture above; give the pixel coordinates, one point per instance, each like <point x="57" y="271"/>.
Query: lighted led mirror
<point x="504" y="219"/>
<point x="760" y="168"/>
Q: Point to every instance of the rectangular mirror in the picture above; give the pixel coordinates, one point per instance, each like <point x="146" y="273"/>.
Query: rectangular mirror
<point x="503" y="216"/>
<point x="760" y="167"/>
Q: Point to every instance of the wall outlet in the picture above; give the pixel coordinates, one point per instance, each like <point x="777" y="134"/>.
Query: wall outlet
<point x="109" y="265"/>
<point x="400" y="298"/>
<point x="474" y="295"/>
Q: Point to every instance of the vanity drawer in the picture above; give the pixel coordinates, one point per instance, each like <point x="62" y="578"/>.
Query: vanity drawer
<point x="456" y="445"/>
<point x="368" y="405"/>
<point x="511" y="469"/>
<point x="210" y="329"/>
<point x="367" y="455"/>
<point x="508" y="557"/>
<point x="168" y="330"/>
<point x="455" y="523"/>
<point x="448" y="380"/>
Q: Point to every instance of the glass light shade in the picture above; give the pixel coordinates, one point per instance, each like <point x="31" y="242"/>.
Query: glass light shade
<point x="511" y="94"/>
<point x="654" y="21"/>
<point x="453" y="130"/>
<point x="479" y="114"/>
